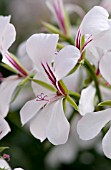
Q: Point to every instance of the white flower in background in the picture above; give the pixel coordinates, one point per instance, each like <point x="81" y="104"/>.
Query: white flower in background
<point x="45" y="112"/>
<point x="5" y="166"/>
<point x="57" y="8"/>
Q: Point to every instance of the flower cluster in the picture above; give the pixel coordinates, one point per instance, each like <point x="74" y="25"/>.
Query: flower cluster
<point x="53" y="69"/>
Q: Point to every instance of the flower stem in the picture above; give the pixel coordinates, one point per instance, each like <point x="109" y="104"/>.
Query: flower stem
<point x="89" y="68"/>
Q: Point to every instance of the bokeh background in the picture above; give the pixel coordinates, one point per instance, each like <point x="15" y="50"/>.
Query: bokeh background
<point x="26" y="151"/>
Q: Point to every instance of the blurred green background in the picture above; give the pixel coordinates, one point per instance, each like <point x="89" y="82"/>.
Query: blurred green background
<point x="26" y="151"/>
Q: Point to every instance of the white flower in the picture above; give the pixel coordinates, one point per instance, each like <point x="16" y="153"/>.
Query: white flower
<point x="96" y="29"/>
<point x="45" y="112"/>
<point x="92" y="123"/>
<point x="5" y="165"/>
<point x="90" y="126"/>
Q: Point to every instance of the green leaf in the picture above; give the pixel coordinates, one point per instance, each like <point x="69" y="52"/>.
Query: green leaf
<point x="60" y="46"/>
<point x="72" y="102"/>
<point x="74" y="69"/>
<point x="63" y="86"/>
<point x="43" y="84"/>
<point x="8" y="67"/>
<point x="3" y="148"/>
<point x="53" y="29"/>
<point x="74" y="94"/>
<point x="105" y="103"/>
<point x="82" y="42"/>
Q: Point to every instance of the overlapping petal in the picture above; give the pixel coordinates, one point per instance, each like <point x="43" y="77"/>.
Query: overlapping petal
<point x="3" y="24"/>
<point x="102" y="40"/>
<point x="106" y="144"/>
<point x="95" y="21"/>
<point x="39" y="123"/>
<point x="65" y="60"/>
<point x="58" y="127"/>
<point x="105" y="67"/>
<point x="86" y="102"/>
<point x="41" y="48"/>
<point x="4" y="164"/>
<point x="4" y="128"/>
<point x="30" y="109"/>
<point x="91" y="124"/>
<point x="8" y="37"/>
<point x="7" y="89"/>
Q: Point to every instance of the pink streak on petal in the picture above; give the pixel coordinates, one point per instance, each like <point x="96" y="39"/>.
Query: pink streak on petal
<point x="18" y="67"/>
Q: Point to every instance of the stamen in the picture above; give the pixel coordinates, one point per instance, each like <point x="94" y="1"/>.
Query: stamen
<point x="87" y="42"/>
<point x="42" y="97"/>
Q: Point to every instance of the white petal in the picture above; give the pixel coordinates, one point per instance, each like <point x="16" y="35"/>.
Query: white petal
<point x="58" y="127"/>
<point x="7" y="89"/>
<point x="4" y="128"/>
<point x="41" y="48"/>
<point x="106" y="144"/>
<point x="86" y="102"/>
<point x="91" y="124"/>
<point x="3" y="24"/>
<point x="105" y="68"/>
<point x="94" y="54"/>
<point x="66" y="59"/>
<point x="23" y="57"/>
<point x="4" y="164"/>
<point x="39" y="89"/>
<point x="30" y="109"/>
<point x="95" y="21"/>
<point x="39" y="123"/>
<point x="102" y="40"/>
<point x="8" y="37"/>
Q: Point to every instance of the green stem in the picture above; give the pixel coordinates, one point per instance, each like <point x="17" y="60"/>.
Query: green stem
<point x="89" y="68"/>
<point x="74" y="94"/>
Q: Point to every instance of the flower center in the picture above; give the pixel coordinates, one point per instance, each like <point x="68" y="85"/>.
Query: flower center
<point x="53" y="80"/>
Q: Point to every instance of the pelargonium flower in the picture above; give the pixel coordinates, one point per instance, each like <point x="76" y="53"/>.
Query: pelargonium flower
<point x="45" y="112"/>
<point x="92" y="123"/>
<point x="8" y="85"/>
<point x="94" y="34"/>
